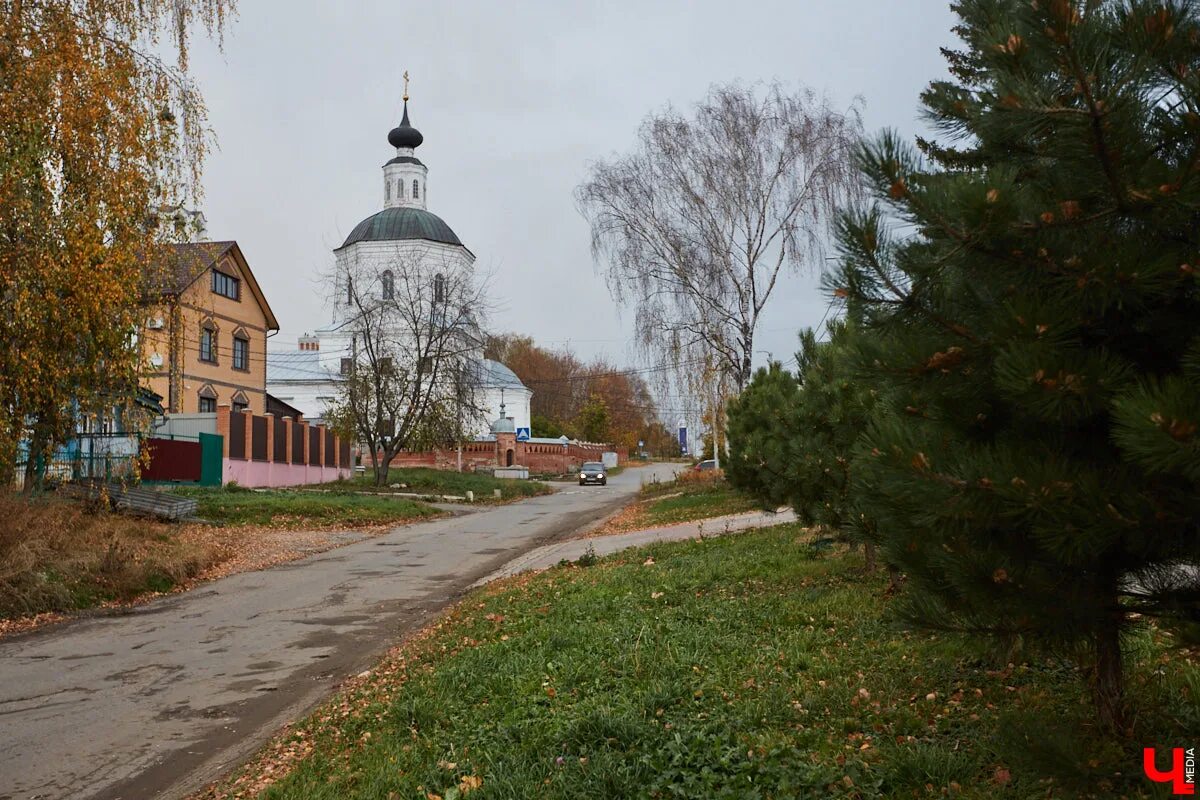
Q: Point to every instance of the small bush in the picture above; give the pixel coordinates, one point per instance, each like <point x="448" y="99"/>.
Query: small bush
<point x="59" y="555"/>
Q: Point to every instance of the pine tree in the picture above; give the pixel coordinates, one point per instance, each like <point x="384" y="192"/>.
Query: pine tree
<point x="792" y="438"/>
<point x="1037" y="471"/>
<point x="764" y="438"/>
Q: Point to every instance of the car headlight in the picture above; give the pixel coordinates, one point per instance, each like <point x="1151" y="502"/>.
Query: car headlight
<point x="583" y="474"/>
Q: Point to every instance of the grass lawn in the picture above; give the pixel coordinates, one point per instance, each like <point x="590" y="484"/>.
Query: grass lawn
<point x="690" y="497"/>
<point x="442" y="482"/>
<point x="747" y="666"/>
<point x="280" y="508"/>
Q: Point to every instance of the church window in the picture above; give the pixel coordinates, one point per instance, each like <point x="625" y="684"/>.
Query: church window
<point x="416" y="191"/>
<point x="349" y="291"/>
<point x="439" y="288"/>
<point x="387" y="191"/>
<point x="389" y="285"/>
<point x="400" y="189"/>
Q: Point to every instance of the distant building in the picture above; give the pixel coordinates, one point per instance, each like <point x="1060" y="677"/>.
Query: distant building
<point x="405" y="231"/>
<point x="205" y="338"/>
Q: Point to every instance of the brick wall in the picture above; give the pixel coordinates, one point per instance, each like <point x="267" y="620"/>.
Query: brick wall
<point x="287" y="452"/>
<point x="551" y="458"/>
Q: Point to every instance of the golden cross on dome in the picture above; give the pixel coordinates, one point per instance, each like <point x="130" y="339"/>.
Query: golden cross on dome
<point x="406" y="86"/>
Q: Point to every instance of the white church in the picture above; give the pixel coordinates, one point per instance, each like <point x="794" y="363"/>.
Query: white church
<point x="405" y="231"/>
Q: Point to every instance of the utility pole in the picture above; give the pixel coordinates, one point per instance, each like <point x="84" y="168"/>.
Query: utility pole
<point x="716" y="415"/>
<point x="458" y="410"/>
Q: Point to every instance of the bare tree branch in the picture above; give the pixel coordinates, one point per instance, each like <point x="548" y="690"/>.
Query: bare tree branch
<point x="694" y="227"/>
<point x="415" y="370"/>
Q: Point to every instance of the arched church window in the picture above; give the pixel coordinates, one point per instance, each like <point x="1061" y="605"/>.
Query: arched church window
<point x="416" y="191"/>
<point x="387" y="192"/>
<point x="439" y="288"/>
<point x="349" y="291"/>
<point x="389" y="284"/>
<point x="400" y="189"/>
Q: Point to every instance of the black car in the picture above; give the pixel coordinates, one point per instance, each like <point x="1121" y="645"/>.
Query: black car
<point x="593" y="472"/>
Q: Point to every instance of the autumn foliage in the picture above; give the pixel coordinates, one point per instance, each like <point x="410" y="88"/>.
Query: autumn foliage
<point x="96" y="134"/>
<point x="596" y="401"/>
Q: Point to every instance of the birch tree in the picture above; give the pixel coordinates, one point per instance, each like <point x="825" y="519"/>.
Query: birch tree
<point x="695" y="226"/>
<point x="97" y="130"/>
<point x="414" y="367"/>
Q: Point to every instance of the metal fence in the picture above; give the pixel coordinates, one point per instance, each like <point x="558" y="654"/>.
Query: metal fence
<point x="107" y="456"/>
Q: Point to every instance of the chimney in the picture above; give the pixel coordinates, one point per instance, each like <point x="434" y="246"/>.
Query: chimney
<point x="309" y="342"/>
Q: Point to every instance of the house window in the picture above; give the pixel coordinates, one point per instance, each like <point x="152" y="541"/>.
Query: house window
<point x="389" y="285"/>
<point x="208" y="345"/>
<point x="416" y="191"/>
<point x="439" y="288"/>
<point x="347" y="365"/>
<point x="208" y="400"/>
<point x="240" y="403"/>
<point x="241" y="353"/>
<point x="226" y="285"/>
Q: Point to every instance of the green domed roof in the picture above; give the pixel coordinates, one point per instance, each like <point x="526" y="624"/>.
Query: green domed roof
<point x="403" y="222"/>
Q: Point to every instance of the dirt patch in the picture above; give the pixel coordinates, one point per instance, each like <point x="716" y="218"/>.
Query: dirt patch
<point x="59" y="561"/>
<point x="630" y="518"/>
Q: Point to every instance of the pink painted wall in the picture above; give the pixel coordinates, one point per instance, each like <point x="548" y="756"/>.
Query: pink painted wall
<point x="262" y="474"/>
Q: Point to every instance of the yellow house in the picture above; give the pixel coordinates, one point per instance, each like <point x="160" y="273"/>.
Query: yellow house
<point x="206" y="338"/>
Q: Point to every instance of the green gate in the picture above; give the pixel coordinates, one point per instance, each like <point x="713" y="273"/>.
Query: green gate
<point x="212" y="465"/>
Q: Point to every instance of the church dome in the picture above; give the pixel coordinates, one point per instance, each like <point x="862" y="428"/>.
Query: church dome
<point x="405" y="135"/>
<point x="402" y="222"/>
<point x="504" y="425"/>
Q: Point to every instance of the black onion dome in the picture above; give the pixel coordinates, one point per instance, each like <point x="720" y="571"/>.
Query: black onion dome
<point x="402" y="222"/>
<point x="405" y="135"/>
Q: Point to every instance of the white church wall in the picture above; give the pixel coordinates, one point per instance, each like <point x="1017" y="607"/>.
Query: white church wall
<point x="516" y="405"/>
<point x="312" y="399"/>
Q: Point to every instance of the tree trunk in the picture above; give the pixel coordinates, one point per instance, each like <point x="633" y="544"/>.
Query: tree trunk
<point x="895" y="579"/>
<point x="381" y="473"/>
<point x="34" y="462"/>
<point x="869" y="555"/>
<point x="1108" y="677"/>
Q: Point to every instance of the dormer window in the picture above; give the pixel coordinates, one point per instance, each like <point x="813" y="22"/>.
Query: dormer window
<point x="416" y="191"/>
<point x="226" y="285"/>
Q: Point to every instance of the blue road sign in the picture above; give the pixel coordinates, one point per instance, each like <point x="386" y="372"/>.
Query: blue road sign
<point x="522" y="434"/>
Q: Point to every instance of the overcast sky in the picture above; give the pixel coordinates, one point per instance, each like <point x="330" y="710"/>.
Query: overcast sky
<point x="514" y="100"/>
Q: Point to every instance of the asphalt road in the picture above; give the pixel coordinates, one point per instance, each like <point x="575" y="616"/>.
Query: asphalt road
<point x="161" y="699"/>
